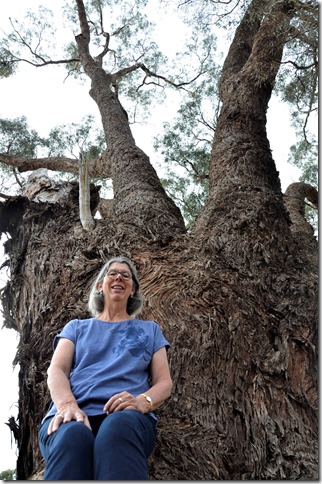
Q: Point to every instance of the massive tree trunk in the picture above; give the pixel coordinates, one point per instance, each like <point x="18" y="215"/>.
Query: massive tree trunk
<point x="237" y="297"/>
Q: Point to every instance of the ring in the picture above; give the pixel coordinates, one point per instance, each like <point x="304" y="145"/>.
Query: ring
<point x="59" y="415"/>
<point x="120" y="399"/>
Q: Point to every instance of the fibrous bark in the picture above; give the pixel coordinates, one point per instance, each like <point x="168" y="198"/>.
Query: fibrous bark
<point x="236" y="297"/>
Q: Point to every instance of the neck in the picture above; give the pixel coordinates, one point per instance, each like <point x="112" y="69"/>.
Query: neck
<point x="114" y="314"/>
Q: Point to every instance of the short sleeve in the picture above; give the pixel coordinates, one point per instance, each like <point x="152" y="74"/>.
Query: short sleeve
<point x="159" y="339"/>
<point x="68" y="331"/>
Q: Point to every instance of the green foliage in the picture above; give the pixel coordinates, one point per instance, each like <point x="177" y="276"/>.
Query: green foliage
<point x="297" y="82"/>
<point x="7" y="66"/>
<point x="71" y="139"/>
<point x="188" y="196"/>
<point x="8" y="475"/>
<point x="30" y="41"/>
<point x="75" y="138"/>
<point x="74" y="66"/>
<point x="186" y="142"/>
<point x="304" y="155"/>
<point x="17" y="139"/>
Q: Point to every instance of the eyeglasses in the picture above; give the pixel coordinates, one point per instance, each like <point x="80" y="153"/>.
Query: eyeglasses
<point x="125" y="274"/>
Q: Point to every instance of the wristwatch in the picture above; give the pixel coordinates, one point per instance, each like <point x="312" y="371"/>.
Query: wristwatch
<point x="148" y="399"/>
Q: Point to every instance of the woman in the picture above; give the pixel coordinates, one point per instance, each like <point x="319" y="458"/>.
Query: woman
<point x="107" y="376"/>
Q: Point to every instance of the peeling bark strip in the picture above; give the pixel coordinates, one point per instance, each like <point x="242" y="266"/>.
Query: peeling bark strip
<point x="85" y="214"/>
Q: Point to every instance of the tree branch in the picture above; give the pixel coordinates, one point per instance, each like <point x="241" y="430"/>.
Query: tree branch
<point x="99" y="168"/>
<point x="242" y="43"/>
<point x="41" y="60"/>
<point x="35" y="64"/>
<point x="139" y="65"/>
<point x="83" y="20"/>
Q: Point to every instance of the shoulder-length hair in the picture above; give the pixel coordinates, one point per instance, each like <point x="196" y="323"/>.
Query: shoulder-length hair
<point x="96" y="298"/>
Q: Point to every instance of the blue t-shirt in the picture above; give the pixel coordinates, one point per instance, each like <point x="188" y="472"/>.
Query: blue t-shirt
<point x="109" y="358"/>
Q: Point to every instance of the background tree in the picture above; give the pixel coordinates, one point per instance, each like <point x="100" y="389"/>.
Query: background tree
<point x="236" y="295"/>
<point x="7" y="475"/>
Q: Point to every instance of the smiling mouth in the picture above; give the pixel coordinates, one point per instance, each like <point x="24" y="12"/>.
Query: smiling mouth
<point x="117" y="287"/>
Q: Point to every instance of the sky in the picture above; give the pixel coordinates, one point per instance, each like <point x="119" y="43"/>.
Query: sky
<point x="47" y="101"/>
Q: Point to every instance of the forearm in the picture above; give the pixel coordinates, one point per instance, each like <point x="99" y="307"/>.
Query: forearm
<point x="59" y="387"/>
<point x="159" y="392"/>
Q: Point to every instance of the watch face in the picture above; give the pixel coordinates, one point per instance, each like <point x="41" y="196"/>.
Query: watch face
<point x="149" y="399"/>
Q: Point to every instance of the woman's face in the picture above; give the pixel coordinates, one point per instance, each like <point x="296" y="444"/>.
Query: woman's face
<point x="117" y="284"/>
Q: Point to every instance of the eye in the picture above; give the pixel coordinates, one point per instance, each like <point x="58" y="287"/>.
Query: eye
<point x="125" y="275"/>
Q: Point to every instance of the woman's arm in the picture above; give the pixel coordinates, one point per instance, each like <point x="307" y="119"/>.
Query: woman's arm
<point x="59" y="386"/>
<point x="161" y="382"/>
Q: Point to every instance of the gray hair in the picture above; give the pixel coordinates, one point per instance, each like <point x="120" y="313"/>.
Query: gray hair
<point x="96" y="298"/>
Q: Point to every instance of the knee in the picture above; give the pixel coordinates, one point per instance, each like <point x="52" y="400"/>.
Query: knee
<point x="125" y="422"/>
<point x="69" y="453"/>
<point x="75" y="434"/>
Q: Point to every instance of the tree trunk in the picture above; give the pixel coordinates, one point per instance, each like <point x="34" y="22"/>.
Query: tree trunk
<point x="139" y="197"/>
<point x="237" y="297"/>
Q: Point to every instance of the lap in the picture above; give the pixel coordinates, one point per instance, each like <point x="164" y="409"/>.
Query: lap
<point x="129" y="419"/>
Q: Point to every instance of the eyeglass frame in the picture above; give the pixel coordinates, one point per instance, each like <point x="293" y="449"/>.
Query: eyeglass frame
<point x="128" y="276"/>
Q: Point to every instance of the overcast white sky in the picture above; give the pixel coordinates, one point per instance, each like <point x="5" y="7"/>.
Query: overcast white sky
<point x="46" y="101"/>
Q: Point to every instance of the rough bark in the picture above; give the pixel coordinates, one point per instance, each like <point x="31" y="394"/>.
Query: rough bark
<point x="243" y="355"/>
<point x="242" y="171"/>
<point x="237" y="297"/>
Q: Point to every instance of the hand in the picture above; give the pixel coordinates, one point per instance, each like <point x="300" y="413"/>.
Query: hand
<point x="126" y="401"/>
<point x="66" y="414"/>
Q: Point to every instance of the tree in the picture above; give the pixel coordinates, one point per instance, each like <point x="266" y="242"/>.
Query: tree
<point x="8" y="475"/>
<point x="187" y="142"/>
<point x="236" y="295"/>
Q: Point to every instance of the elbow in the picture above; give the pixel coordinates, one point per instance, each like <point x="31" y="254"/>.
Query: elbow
<point x="55" y="372"/>
<point x="49" y="376"/>
<point x="170" y="387"/>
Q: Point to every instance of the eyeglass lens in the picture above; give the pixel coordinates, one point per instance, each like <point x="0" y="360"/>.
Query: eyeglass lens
<point x="113" y="273"/>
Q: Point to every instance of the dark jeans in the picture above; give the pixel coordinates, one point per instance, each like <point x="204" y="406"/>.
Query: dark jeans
<point x="117" y="448"/>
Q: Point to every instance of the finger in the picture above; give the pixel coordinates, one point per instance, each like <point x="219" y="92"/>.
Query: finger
<point x="83" y="418"/>
<point x="116" y="405"/>
<point x="106" y="407"/>
<point x="119" y="405"/>
<point x="114" y="402"/>
<point x="111" y="404"/>
<point x="127" y="402"/>
<point x="59" y="419"/>
<point x="55" y="423"/>
<point x="86" y="422"/>
<point x="50" y="427"/>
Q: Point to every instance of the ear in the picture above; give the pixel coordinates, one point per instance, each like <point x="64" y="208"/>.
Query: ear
<point x="99" y="286"/>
